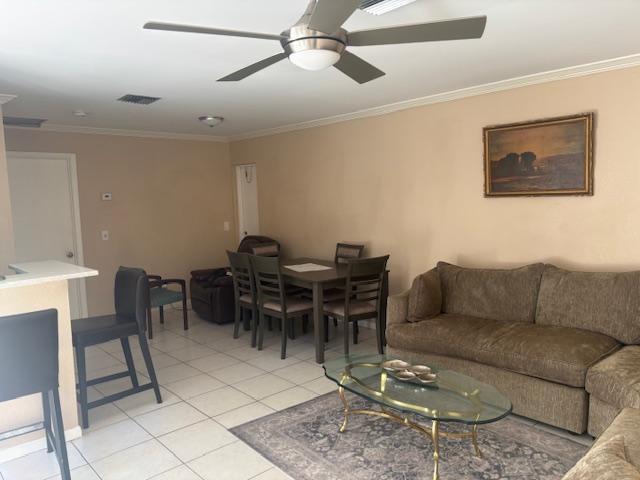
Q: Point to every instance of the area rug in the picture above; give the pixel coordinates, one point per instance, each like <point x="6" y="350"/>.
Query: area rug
<point x="305" y="443"/>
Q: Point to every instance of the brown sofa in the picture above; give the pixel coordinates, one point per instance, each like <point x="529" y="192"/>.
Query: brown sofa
<point x="562" y="345"/>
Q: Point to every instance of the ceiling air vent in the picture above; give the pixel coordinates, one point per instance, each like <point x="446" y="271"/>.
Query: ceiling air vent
<point x="23" y="122"/>
<point x="378" y="7"/>
<point x="138" y="99"/>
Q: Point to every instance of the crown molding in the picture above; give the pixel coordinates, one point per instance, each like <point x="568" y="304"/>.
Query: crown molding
<point x="123" y="132"/>
<point x="499" y="86"/>
<point x="6" y="98"/>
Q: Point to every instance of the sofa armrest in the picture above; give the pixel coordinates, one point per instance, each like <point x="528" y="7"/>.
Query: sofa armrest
<point x="397" y="308"/>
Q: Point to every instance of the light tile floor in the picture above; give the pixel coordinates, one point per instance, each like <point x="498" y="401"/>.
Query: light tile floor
<point x="210" y="384"/>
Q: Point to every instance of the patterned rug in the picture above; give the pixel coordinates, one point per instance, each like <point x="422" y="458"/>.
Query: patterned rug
<point x="304" y="442"/>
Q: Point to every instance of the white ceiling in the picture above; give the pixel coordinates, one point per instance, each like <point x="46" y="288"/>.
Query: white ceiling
<point x="62" y="55"/>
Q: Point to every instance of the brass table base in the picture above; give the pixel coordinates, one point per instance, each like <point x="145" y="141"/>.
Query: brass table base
<point x="432" y="433"/>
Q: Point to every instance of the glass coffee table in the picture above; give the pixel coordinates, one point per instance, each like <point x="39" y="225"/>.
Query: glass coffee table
<point x="452" y="398"/>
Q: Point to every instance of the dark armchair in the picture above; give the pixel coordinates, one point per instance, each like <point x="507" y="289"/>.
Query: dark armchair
<point x="212" y="289"/>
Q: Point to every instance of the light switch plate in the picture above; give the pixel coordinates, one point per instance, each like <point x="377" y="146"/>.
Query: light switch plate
<point x="226" y="226"/>
<point x="104" y="234"/>
<point x="107" y="197"/>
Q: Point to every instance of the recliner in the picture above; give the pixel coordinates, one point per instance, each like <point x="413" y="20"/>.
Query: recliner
<point x="212" y="289"/>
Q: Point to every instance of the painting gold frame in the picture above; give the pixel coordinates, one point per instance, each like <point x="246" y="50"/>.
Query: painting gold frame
<point x="546" y="177"/>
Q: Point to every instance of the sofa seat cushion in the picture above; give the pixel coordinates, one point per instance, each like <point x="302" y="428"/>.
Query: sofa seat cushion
<point x="605" y="461"/>
<point x="557" y="354"/>
<point x="616" y="379"/>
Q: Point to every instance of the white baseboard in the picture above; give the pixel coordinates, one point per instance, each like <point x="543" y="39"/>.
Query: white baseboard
<point x="26" y="448"/>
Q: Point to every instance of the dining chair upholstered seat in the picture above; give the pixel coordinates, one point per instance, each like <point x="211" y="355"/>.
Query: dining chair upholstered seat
<point x="356" y="307"/>
<point x="293" y="305"/>
<point x="29" y="366"/>
<point x="131" y="298"/>
<point x="246" y="298"/>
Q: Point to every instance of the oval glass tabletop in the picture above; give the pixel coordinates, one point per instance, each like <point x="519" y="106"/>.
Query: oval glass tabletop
<point x="453" y="397"/>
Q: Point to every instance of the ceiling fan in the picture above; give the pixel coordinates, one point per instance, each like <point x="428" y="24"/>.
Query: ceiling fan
<point x="318" y="40"/>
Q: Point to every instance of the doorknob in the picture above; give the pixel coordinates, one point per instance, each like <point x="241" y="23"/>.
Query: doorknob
<point x="69" y="254"/>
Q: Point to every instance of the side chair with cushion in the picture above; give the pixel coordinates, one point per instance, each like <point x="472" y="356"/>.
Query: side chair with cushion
<point x="131" y="304"/>
<point x="244" y="292"/>
<point x="273" y="300"/>
<point x="362" y="295"/>
<point x="28" y="366"/>
<point x="160" y="295"/>
<point x="212" y="289"/>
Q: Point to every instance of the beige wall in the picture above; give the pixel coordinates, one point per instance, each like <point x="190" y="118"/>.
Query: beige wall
<point x="170" y="199"/>
<point x="6" y="225"/>
<point x="410" y="184"/>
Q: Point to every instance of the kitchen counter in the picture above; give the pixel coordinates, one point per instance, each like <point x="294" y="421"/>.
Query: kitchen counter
<point x="33" y="273"/>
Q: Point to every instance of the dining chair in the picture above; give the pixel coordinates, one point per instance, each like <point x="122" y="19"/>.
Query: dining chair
<point x="244" y="289"/>
<point x="362" y="294"/>
<point x="344" y="252"/>
<point x="273" y="300"/>
<point x="28" y="366"/>
<point x="131" y="296"/>
<point x="160" y="295"/>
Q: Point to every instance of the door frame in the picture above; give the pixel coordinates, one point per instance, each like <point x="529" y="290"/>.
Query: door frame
<point x="72" y="169"/>
<point x="239" y="198"/>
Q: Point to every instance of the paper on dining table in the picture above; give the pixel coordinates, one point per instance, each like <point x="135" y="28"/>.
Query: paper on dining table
<point x="307" y="267"/>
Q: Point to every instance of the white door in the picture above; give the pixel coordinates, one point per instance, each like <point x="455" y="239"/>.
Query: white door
<point x="247" y="186"/>
<point x="46" y="221"/>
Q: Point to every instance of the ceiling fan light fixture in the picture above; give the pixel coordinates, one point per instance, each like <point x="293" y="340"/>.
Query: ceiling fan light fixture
<point x="314" y="59"/>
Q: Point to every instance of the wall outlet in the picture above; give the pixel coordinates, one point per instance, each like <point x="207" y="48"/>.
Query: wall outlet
<point x="107" y="197"/>
<point x="226" y="226"/>
<point x="104" y="234"/>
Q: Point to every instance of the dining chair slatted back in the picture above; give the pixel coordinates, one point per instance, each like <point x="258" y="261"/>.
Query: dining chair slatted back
<point x="244" y="289"/>
<point x="364" y="280"/>
<point x="347" y="251"/>
<point x="268" y="280"/>
<point x="267" y="249"/>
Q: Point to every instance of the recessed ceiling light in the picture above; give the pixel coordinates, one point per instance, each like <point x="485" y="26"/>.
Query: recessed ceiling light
<point x="211" y="120"/>
<point x="79" y="113"/>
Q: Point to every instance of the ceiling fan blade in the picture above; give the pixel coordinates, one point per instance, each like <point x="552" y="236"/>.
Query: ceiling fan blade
<point x="329" y="15"/>
<point x="356" y="68"/>
<point x="458" y="29"/>
<point x="174" y="27"/>
<point x="251" y="69"/>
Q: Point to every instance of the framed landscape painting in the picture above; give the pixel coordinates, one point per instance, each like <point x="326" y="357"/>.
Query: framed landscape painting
<point x="543" y="157"/>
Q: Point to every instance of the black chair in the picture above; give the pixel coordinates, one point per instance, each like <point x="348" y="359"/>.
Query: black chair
<point x="212" y="289"/>
<point x="273" y="299"/>
<point x="244" y="292"/>
<point x="131" y="302"/>
<point x="160" y="295"/>
<point x="29" y="365"/>
<point x="361" y="296"/>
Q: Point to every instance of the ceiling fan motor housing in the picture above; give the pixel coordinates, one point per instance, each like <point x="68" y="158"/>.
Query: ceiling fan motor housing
<point x="301" y="38"/>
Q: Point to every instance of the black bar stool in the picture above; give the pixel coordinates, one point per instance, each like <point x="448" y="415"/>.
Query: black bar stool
<point x="29" y="365"/>
<point x="131" y="301"/>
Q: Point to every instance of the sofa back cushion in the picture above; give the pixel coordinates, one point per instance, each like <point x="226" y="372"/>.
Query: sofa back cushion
<point x="425" y="297"/>
<point x="506" y="295"/>
<point x="602" y="302"/>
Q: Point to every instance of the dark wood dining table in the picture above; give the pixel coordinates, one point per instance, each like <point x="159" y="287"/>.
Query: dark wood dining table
<point x="318" y="282"/>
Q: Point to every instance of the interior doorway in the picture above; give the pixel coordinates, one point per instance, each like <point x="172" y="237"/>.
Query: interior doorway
<point x="46" y="215"/>
<point x="247" y="192"/>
